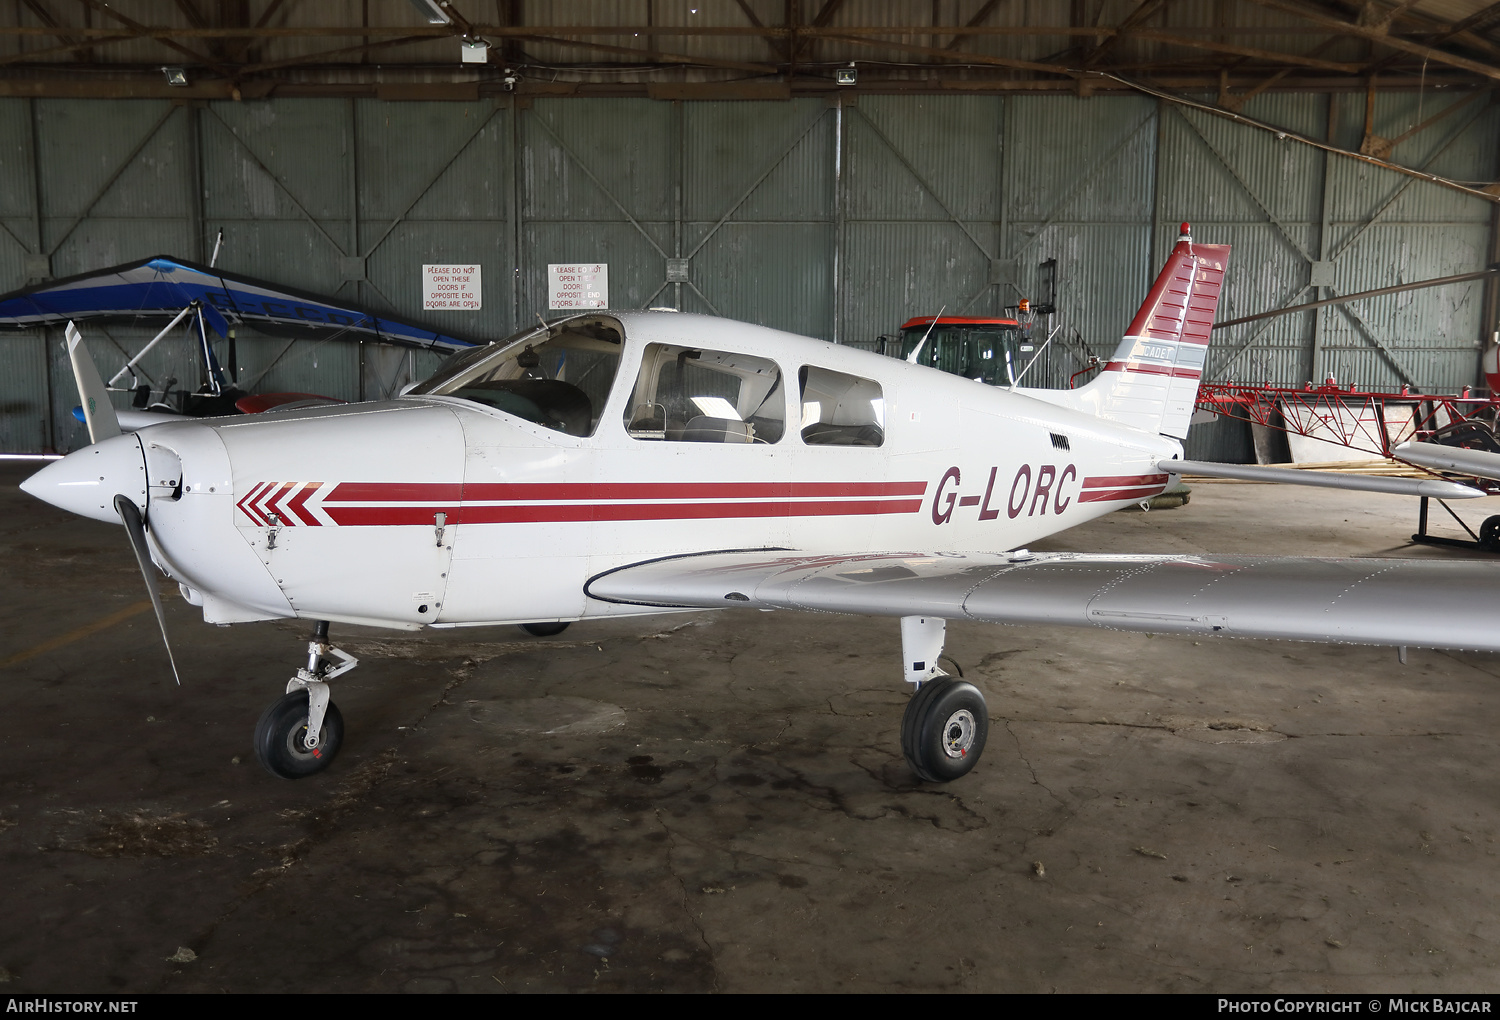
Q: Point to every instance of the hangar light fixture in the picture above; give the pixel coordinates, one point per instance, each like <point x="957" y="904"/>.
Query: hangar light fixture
<point x="175" y="75"/>
<point x="846" y="75"/>
<point x="474" y="51"/>
<point x="432" y="11"/>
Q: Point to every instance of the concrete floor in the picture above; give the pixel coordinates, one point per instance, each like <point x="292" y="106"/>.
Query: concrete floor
<point x="718" y="801"/>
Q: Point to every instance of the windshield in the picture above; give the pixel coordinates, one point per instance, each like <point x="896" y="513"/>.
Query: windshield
<point x="558" y="377"/>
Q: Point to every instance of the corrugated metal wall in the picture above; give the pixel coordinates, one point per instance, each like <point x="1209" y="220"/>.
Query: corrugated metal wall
<point x="834" y="219"/>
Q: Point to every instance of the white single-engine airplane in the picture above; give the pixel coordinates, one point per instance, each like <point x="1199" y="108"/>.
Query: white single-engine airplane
<point x="617" y="463"/>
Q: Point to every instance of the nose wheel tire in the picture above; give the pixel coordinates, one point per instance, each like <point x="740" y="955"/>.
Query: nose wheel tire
<point x="281" y="732"/>
<point x="544" y="629"/>
<point x="944" y="729"/>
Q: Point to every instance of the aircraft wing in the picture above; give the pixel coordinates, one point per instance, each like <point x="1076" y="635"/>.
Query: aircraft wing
<point x="1437" y="488"/>
<point x="1479" y="463"/>
<point x="160" y="287"/>
<point x="1422" y="603"/>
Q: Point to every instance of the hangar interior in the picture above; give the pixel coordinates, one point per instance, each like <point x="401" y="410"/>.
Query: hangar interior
<point x="713" y="805"/>
<point x="713" y="174"/>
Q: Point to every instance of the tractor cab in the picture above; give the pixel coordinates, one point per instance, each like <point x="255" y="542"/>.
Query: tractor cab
<point x="991" y="350"/>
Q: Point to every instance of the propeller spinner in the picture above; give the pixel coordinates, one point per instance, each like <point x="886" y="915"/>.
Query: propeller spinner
<point x="106" y="480"/>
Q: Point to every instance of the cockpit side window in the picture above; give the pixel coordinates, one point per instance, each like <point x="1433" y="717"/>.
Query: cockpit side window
<point x="839" y="409"/>
<point x="558" y="377"/>
<point x="693" y="395"/>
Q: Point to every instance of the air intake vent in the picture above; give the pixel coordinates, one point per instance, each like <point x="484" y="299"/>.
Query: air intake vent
<point x="1060" y="442"/>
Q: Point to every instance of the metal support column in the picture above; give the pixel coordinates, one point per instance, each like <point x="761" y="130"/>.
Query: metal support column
<point x="679" y="120"/>
<point x="1316" y="370"/>
<point x="515" y="214"/>
<point x="1002" y="199"/>
<point x="353" y="246"/>
<point x="1158" y="242"/>
<point x="195" y="181"/>
<point x="49" y="427"/>
<point x="36" y="180"/>
<point x="1489" y="316"/>
<point x="839" y="206"/>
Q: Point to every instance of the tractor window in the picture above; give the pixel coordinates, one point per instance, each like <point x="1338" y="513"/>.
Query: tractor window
<point x="993" y="353"/>
<point x="558" y="377"/>
<point x="691" y="395"/>
<point x="840" y="410"/>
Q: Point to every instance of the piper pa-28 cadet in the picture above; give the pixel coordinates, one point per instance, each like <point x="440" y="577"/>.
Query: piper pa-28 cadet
<point x="617" y="463"/>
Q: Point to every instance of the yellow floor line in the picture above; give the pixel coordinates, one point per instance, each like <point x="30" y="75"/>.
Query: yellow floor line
<point x="103" y="623"/>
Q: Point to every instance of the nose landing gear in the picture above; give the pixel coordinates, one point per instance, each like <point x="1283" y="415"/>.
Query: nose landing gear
<point x="300" y="733"/>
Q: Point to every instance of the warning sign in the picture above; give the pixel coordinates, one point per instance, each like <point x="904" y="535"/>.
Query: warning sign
<point x="451" y="287"/>
<point x="578" y="285"/>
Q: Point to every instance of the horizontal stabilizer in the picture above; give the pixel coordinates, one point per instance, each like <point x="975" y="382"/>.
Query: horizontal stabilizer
<point x="1437" y="488"/>
<point x="1478" y="463"/>
<point x="1421" y="603"/>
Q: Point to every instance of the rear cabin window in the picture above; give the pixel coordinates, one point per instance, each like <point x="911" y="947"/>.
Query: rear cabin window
<point x="694" y="395"/>
<point x="839" y="409"/>
<point x="558" y="377"/>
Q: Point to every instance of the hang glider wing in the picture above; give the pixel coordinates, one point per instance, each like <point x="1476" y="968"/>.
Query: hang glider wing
<point x="1422" y="603"/>
<point x="158" y="288"/>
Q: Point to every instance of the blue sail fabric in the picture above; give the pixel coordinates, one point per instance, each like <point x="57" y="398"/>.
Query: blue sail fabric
<point x="160" y="287"/>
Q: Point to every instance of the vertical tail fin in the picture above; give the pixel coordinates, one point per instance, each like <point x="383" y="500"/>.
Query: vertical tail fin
<point x="1151" y="381"/>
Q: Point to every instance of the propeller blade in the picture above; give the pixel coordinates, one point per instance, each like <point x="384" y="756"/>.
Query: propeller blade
<point x="136" y="529"/>
<point x="98" y="412"/>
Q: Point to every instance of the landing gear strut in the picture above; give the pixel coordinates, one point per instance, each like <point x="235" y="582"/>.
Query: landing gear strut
<point x="301" y="732"/>
<point x="946" y="721"/>
<point x="1488" y="539"/>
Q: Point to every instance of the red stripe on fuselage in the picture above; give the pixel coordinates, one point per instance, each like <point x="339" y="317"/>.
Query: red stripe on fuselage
<point x="416" y="492"/>
<point x="247" y="503"/>
<point x="268" y="506"/>
<point x="1144" y="369"/>
<point x="555" y="513"/>
<point x="1121" y="481"/>
<point x="365" y="516"/>
<point x="1107" y="495"/>
<point x="295" y="506"/>
<point x="416" y="503"/>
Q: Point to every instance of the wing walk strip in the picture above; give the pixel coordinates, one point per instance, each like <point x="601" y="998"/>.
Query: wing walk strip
<point x="365" y="504"/>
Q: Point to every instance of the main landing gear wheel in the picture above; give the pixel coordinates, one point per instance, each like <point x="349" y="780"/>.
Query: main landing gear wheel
<point x="544" y="629"/>
<point x="1489" y="533"/>
<point x="943" y="731"/>
<point x="280" y="738"/>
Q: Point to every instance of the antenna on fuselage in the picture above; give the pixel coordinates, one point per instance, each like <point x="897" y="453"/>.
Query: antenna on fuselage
<point x="911" y="359"/>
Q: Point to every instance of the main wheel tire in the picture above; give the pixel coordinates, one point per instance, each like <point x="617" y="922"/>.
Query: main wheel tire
<point x="280" y="734"/>
<point x="944" y="729"/>
<point x="1489" y="533"/>
<point x="544" y="629"/>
